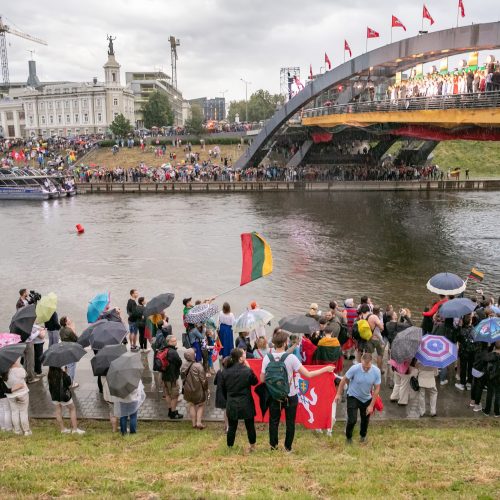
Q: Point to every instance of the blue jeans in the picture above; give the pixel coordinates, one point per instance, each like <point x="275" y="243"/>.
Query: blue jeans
<point x="443" y="374"/>
<point x="133" y="424"/>
<point x="132" y="328"/>
<point x="71" y="371"/>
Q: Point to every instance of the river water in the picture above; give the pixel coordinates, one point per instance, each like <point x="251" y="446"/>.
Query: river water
<point x="325" y="246"/>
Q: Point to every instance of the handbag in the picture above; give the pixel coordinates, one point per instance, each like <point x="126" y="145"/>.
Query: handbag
<point x="64" y="392"/>
<point x="414" y="383"/>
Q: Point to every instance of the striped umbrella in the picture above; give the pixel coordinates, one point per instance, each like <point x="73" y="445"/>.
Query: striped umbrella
<point x="487" y="330"/>
<point x="436" y="351"/>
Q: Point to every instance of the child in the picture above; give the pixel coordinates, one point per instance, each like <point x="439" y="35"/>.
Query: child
<point x="294" y="346"/>
<point x="126" y="409"/>
<point x="59" y="387"/>
<point x="261" y="350"/>
<point x="18" y="398"/>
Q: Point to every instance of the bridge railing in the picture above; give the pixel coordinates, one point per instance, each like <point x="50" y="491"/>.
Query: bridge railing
<point x="455" y="101"/>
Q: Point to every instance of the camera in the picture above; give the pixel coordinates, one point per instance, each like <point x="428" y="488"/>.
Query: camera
<point x="34" y="297"/>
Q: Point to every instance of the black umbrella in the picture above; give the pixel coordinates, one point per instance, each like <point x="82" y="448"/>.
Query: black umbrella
<point x="22" y="322"/>
<point x="157" y="304"/>
<point x="111" y="315"/>
<point x="107" y="333"/>
<point x="406" y="344"/>
<point x="101" y="361"/>
<point x="63" y="354"/>
<point x="9" y="354"/>
<point x="299" y="324"/>
<point x="84" y="338"/>
<point x="124" y="374"/>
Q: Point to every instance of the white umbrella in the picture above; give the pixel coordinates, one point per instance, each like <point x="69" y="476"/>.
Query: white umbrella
<point x="251" y="320"/>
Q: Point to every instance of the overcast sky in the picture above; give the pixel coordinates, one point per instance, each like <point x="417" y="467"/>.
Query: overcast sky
<point x="221" y="40"/>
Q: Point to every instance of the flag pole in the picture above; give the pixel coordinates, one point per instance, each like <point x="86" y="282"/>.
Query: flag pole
<point x="423" y="5"/>
<point x="229" y="291"/>
<point x="391" y="32"/>
<point x="344" y="51"/>
<point x="458" y="13"/>
<point x="366" y="48"/>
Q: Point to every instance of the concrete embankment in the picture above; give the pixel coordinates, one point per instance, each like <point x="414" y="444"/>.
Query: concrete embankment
<point x="255" y="186"/>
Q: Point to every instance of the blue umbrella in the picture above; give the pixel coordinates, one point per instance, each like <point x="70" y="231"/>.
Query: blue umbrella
<point x="446" y="284"/>
<point x="456" y="308"/>
<point x="488" y="330"/>
<point x="97" y="306"/>
<point x="436" y="351"/>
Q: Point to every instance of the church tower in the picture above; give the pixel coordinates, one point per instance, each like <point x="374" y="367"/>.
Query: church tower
<point x="111" y="68"/>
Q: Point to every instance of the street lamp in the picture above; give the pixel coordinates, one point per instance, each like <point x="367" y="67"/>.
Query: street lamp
<point x="246" y="97"/>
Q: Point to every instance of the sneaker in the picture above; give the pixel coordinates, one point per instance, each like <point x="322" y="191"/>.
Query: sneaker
<point x="66" y="431"/>
<point x="443" y="382"/>
<point x="78" y="431"/>
<point x="348" y="441"/>
<point x="496" y="416"/>
<point x="433" y="414"/>
<point x="472" y="404"/>
<point x="174" y="415"/>
<point x="363" y="439"/>
<point x="28" y="433"/>
<point x="329" y="433"/>
<point x="33" y="380"/>
<point x="74" y="385"/>
<point x="484" y="411"/>
<point x="477" y="407"/>
<point x="460" y="387"/>
<point x="18" y="433"/>
<point x="146" y="350"/>
<point x="468" y="386"/>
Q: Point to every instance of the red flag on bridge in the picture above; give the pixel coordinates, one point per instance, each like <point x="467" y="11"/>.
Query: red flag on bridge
<point x="371" y="33"/>
<point x="316" y="397"/>
<point x="327" y="61"/>
<point x="426" y="15"/>
<point x="346" y="47"/>
<point x="461" y="8"/>
<point x="311" y="76"/>
<point x="396" y="23"/>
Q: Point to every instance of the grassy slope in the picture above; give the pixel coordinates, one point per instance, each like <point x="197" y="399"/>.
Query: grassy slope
<point x="481" y="157"/>
<point x="407" y="459"/>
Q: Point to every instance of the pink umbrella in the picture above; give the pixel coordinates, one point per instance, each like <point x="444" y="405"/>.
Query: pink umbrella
<point x="9" y="339"/>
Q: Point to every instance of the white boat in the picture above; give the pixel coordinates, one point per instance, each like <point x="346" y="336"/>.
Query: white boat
<point x="23" y="185"/>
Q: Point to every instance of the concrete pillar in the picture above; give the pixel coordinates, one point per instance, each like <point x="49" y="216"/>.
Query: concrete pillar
<point x="3" y="122"/>
<point x="17" y="125"/>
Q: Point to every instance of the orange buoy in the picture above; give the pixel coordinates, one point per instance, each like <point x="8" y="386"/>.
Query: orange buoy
<point x="80" y="229"/>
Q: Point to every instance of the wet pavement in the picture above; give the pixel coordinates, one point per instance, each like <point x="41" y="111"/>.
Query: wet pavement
<point x="90" y="404"/>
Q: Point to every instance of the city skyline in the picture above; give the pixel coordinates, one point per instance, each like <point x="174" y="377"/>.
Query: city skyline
<point x="225" y="42"/>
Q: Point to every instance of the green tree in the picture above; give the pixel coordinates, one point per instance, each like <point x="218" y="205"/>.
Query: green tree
<point x="236" y="108"/>
<point x="157" y="111"/>
<point x="262" y="105"/>
<point x="194" y="124"/>
<point x="121" y="126"/>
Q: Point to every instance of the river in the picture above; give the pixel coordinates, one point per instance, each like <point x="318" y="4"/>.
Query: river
<point x="386" y="245"/>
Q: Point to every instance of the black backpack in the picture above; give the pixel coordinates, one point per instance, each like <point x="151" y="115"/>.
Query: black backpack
<point x="493" y="370"/>
<point x="343" y="334"/>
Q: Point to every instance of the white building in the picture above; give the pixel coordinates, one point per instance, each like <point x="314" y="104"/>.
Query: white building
<point x="12" y="121"/>
<point x="66" y="109"/>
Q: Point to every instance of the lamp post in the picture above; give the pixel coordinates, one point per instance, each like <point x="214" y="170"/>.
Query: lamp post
<point x="246" y="98"/>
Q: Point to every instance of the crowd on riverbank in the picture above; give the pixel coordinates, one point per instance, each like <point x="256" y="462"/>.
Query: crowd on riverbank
<point x="364" y="334"/>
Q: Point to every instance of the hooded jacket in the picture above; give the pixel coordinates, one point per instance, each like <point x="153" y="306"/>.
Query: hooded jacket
<point x="194" y="379"/>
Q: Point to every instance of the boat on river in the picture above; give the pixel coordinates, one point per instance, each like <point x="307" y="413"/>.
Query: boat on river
<point x="28" y="184"/>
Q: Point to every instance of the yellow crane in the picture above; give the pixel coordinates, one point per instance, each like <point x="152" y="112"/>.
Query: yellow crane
<point x="4" y="28"/>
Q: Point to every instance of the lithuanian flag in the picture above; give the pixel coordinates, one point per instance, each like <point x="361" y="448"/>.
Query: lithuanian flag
<point x="476" y="275"/>
<point x="257" y="257"/>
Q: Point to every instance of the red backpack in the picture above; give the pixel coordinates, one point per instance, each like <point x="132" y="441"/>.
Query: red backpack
<point x="160" y="361"/>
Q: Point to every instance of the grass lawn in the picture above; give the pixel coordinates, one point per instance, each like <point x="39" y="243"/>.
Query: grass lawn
<point x="417" y="459"/>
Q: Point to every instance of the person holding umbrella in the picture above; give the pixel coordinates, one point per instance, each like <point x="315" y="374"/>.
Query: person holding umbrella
<point x="67" y="334"/>
<point x="60" y="393"/>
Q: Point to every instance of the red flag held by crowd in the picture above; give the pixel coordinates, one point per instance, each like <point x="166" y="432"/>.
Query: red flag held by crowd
<point x="396" y="23"/>
<point x="346" y="47"/>
<point x="327" y="61"/>
<point x="461" y="8"/>
<point x="426" y="15"/>
<point x="371" y="33"/>
<point x="316" y="397"/>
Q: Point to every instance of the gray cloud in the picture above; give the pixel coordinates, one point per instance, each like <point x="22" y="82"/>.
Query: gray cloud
<point x="221" y="40"/>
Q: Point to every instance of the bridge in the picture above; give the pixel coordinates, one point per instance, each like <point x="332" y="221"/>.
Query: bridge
<point x="382" y="64"/>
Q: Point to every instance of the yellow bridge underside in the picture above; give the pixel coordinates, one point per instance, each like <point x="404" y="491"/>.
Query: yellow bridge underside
<point x="447" y="118"/>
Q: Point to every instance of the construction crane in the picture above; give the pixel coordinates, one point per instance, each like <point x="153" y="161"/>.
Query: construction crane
<point x="4" y="28"/>
<point x="174" y="43"/>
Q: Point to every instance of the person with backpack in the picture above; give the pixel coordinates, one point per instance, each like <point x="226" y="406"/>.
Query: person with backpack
<point x="140" y="323"/>
<point x="236" y="383"/>
<point x="493" y="375"/>
<point x="277" y="373"/>
<point x="363" y="386"/>
<point x="194" y="388"/>
<point x="168" y="362"/>
<point x="60" y="393"/>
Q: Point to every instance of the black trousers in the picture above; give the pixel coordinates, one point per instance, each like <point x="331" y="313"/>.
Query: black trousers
<point x="493" y="395"/>
<point x="466" y="360"/>
<point x="275" y="408"/>
<point x="353" y="405"/>
<point x="477" y="388"/>
<point x="38" y="349"/>
<point x="233" y="426"/>
<point x="143" y="343"/>
<point x="99" y="381"/>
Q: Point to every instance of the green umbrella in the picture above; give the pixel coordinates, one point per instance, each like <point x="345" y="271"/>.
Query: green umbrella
<point x="46" y="307"/>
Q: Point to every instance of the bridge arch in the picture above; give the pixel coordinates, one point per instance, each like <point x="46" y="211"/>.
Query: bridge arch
<point x="387" y="61"/>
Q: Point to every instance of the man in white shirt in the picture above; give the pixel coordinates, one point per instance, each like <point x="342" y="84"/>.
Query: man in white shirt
<point x="292" y="365"/>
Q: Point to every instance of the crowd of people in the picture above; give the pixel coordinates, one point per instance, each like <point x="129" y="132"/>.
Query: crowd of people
<point x="353" y="341"/>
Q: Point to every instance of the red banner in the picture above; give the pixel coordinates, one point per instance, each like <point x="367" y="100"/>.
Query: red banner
<point x="319" y="137"/>
<point x="440" y="134"/>
<point x="316" y="397"/>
